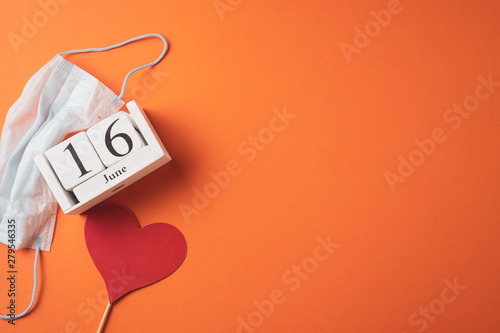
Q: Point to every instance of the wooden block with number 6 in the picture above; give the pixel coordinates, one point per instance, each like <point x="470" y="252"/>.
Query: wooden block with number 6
<point x="114" y="138"/>
<point x="74" y="160"/>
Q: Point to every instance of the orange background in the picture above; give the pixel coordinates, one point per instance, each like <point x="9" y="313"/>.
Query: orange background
<point x="322" y="176"/>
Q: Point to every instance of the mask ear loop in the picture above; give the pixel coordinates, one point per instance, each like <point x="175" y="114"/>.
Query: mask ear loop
<point x="35" y="283"/>
<point x="165" y="48"/>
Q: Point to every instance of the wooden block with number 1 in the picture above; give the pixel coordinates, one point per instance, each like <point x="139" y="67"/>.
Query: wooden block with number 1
<point x="74" y="160"/>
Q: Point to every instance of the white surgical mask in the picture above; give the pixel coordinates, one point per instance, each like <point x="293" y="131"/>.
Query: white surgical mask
<point x="58" y="100"/>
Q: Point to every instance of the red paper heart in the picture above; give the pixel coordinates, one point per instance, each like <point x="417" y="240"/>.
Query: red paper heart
<point x="128" y="257"/>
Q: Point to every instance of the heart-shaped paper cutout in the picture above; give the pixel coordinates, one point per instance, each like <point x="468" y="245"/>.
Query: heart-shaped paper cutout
<point x="129" y="257"/>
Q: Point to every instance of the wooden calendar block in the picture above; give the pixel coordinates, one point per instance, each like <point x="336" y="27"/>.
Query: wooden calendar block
<point x="114" y="175"/>
<point x="114" y="138"/>
<point x="74" y="160"/>
<point x="133" y="166"/>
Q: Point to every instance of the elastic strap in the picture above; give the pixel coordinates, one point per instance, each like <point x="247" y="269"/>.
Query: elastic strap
<point x="35" y="283"/>
<point x="165" y="47"/>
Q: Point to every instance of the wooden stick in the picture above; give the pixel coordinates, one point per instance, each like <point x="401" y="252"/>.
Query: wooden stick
<point x="104" y="318"/>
